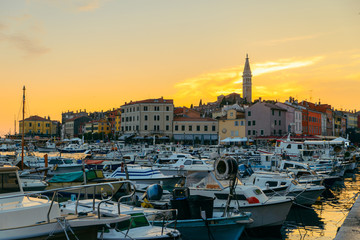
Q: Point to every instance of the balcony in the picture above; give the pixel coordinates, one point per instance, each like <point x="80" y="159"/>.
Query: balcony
<point x="156" y="132"/>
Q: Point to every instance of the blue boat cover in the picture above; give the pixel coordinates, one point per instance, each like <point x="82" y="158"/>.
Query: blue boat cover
<point x="73" y="177"/>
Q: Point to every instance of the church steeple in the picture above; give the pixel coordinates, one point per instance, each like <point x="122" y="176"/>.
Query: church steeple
<point x="247" y="85"/>
<point x="247" y="69"/>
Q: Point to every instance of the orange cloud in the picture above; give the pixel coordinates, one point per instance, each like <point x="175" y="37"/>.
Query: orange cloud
<point x="283" y="64"/>
<point x="209" y="85"/>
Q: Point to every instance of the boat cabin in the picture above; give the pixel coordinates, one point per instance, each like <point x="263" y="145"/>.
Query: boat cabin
<point x="9" y="180"/>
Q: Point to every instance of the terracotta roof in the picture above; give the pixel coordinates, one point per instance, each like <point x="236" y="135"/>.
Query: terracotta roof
<point x="157" y="100"/>
<point x="35" y="118"/>
<point x="178" y="110"/>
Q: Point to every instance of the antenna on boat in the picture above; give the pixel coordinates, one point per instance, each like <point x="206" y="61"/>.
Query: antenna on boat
<point x="23" y="131"/>
<point x="288" y="137"/>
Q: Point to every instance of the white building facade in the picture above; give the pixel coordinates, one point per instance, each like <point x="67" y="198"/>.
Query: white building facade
<point x="148" y="117"/>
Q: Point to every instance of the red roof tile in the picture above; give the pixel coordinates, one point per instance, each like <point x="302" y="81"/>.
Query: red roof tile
<point x="158" y="100"/>
<point x="36" y="118"/>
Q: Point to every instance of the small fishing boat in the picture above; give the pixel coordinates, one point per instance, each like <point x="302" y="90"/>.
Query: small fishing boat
<point x="31" y="216"/>
<point x="73" y="148"/>
<point x="137" y="227"/>
<point x="197" y="219"/>
<point x="79" y="178"/>
<point x="50" y="146"/>
<point x="265" y="211"/>
<point x="182" y="166"/>
<point x="30" y="184"/>
<point x="146" y="175"/>
<point x="275" y="183"/>
<point x="217" y="227"/>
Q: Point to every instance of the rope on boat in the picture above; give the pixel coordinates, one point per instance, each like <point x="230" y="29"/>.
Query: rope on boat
<point x="65" y="227"/>
<point x="210" y="235"/>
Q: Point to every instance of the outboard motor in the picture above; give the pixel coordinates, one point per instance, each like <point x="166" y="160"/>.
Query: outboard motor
<point x="153" y="192"/>
<point x="245" y="170"/>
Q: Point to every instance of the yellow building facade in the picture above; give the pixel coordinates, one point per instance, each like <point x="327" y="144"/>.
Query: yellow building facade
<point x="36" y="125"/>
<point x="100" y="126"/>
<point x="232" y="125"/>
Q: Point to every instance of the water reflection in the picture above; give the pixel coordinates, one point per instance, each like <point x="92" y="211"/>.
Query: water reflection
<point x="321" y="220"/>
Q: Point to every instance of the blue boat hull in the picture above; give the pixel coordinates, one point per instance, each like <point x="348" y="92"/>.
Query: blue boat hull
<point x="213" y="228"/>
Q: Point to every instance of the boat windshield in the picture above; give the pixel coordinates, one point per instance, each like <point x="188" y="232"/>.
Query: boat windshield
<point x="136" y="220"/>
<point x="9" y="183"/>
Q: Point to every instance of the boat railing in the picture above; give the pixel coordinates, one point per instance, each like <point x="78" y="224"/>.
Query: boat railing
<point x="165" y="215"/>
<point x="126" y="196"/>
<point x="56" y="192"/>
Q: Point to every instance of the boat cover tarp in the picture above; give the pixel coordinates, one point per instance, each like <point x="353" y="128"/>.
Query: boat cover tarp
<point x="90" y="161"/>
<point x="73" y="177"/>
<point x="340" y="139"/>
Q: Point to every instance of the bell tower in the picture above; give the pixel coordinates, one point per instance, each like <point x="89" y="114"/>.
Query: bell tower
<point x="247" y="92"/>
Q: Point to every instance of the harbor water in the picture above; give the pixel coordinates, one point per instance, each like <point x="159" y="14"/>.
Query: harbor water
<point x="321" y="220"/>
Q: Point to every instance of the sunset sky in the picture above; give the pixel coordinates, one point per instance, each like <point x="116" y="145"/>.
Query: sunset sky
<point x="98" y="54"/>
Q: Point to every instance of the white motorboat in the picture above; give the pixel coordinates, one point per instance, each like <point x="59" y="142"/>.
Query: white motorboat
<point x="274" y="183"/>
<point x="7" y="147"/>
<point x="303" y="173"/>
<point x="73" y="148"/>
<point x="265" y="211"/>
<point x="174" y="157"/>
<point x="145" y="175"/>
<point x="137" y="227"/>
<point x="29" y="216"/>
<point x="50" y="146"/>
<point x="30" y="184"/>
<point x="56" y="165"/>
<point x="182" y="166"/>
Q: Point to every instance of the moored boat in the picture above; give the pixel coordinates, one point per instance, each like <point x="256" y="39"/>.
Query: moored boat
<point x="145" y="175"/>
<point x="29" y="216"/>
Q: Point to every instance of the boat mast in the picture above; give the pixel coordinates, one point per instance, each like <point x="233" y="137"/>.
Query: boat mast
<point x="23" y="131"/>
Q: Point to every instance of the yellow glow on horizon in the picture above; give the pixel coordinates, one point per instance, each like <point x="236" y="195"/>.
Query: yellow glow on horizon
<point x="229" y="80"/>
<point x="283" y="64"/>
<point x="98" y="54"/>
